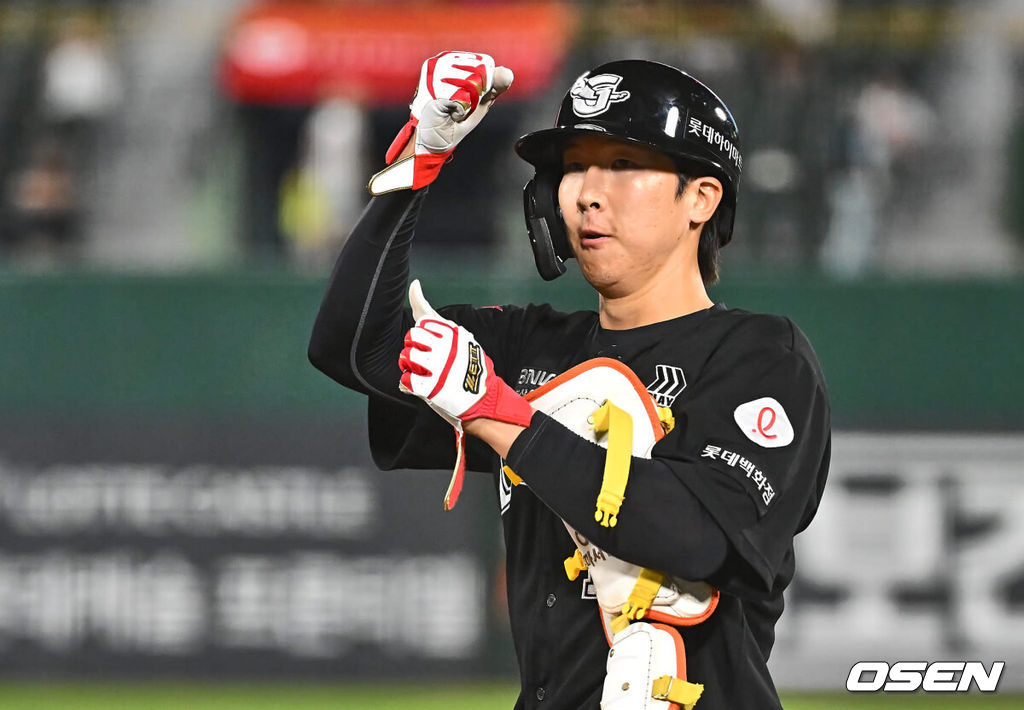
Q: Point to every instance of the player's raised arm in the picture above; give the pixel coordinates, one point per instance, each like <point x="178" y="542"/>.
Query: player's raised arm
<point x="359" y="328"/>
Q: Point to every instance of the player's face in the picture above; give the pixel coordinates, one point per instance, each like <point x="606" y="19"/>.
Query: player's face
<point x="622" y="214"/>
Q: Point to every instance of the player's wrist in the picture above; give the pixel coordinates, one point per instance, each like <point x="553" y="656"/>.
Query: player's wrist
<point x="404" y="144"/>
<point x="500" y="403"/>
<point x="498" y="435"/>
<point x="409" y="149"/>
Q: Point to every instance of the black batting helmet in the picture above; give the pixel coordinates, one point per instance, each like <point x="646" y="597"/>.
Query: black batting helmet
<point x="636" y="101"/>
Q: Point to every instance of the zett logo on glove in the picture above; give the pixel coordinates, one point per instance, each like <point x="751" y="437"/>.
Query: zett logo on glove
<point x="473" y="370"/>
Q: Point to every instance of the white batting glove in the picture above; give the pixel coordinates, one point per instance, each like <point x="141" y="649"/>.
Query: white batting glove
<point x="455" y="92"/>
<point x="443" y="364"/>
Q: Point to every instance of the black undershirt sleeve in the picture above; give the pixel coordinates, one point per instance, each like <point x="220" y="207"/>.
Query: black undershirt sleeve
<point x="360" y="326"/>
<point x="688" y="543"/>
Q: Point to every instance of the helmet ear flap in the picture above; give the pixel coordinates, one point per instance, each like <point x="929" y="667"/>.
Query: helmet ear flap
<point x="724" y="218"/>
<point x="544" y="223"/>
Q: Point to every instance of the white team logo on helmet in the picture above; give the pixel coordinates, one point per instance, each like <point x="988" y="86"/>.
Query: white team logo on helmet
<point x="592" y="95"/>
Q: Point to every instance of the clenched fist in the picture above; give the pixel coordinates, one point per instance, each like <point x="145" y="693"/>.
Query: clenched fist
<point x="455" y="92"/>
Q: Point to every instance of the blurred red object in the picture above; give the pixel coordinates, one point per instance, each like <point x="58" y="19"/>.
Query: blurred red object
<point x="281" y="52"/>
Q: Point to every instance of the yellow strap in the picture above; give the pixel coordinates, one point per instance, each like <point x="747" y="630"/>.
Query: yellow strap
<point x="643" y="594"/>
<point x="676" y="691"/>
<point x="515" y="479"/>
<point x="619" y="623"/>
<point x="619" y="426"/>
<point x="574" y="565"/>
<point x="667" y="419"/>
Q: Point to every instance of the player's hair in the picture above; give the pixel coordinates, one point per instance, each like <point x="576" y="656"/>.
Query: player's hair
<point x="707" y="247"/>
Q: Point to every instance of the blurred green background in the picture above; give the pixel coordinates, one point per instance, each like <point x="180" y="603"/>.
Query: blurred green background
<point x="913" y="354"/>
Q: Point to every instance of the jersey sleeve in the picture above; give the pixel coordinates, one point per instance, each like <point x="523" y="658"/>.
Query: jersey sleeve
<point x="359" y="331"/>
<point x="406" y="433"/>
<point x="753" y="442"/>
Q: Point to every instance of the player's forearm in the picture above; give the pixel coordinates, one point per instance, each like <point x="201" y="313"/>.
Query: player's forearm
<point x="359" y="328"/>
<point x="498" y="435"/>
<point x="661" y="524"/>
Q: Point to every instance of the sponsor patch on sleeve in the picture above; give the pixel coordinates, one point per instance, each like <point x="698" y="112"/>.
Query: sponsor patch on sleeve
<point x="754" y="479"/>
<point x="764" y="422"/>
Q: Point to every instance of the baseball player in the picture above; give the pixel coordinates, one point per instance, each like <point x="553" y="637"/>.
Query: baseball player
<point x="638" y="182"/>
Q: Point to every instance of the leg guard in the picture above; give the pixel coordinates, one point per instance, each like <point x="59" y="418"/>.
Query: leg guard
<point x="647" y="671"/>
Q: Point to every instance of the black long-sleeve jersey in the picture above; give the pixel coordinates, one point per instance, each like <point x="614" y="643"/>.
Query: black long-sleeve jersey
<point x="720" y="499"/>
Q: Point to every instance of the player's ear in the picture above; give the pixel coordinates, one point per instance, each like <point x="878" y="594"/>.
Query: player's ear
<point x="708" y="193"/>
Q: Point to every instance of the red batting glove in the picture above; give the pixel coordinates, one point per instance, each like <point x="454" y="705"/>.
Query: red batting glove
<point x="444" y="365"/>
<point x="455" y="92"/>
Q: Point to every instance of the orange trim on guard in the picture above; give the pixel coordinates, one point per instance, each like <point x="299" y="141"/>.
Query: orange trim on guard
<point x="680" y="656"/>
<point x="652" y="412"/>
<point x="687" y="621"/>
<point x="608" y="635"/>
